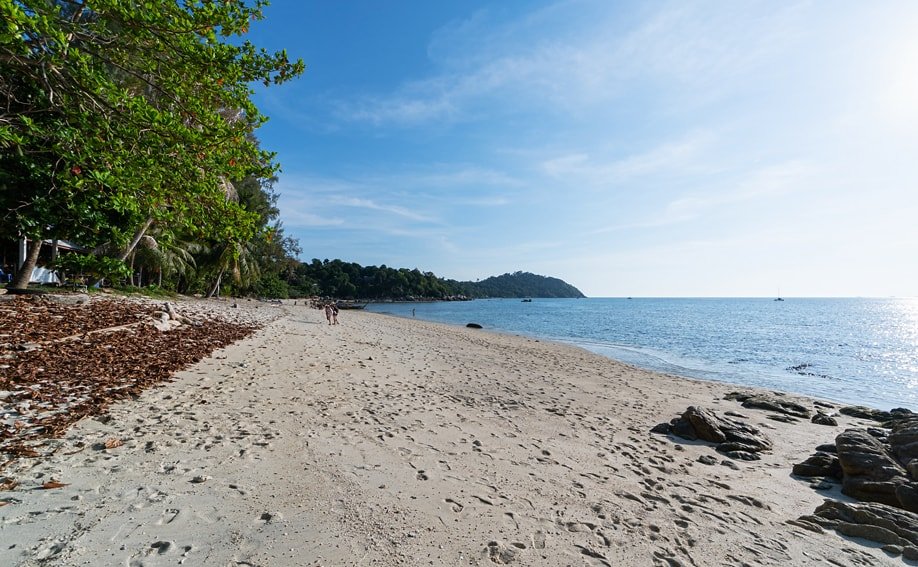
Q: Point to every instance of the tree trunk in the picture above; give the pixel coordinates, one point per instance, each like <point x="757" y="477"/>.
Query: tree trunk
<point x="137" y="236"/>
<point x="130" y="248"/>
<point x="216" y="286"/>
<point x="21" y="281"/>
<point x="131" y="279"/>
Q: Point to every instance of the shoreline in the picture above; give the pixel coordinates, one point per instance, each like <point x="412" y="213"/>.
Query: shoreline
<point x="391" y="441"/>
<point x="832" y="378"/>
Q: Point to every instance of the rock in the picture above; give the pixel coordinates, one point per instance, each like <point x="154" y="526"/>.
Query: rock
<point x="880" y="434"/>
<point x="912" y="468"/>
<point x="870" y="473"/>
<point x="734" y="446"/>
<point x="861" y="454"/>
<point x="907" y="494"/>
<point x="867" y="531"/>
<point x="731" y="436"/>
<point x="894" y="550"/>
<point x="874" y="521"/>
<point x="903" y="438"/>
<point x="910" y="552"/>
<point x="705" y="423"/>
<point x="741" y="455"/>
<point x="3" y="291"/>
<point x="823" y="419"/>
<point x="827" y="448"/>
<point x="820" y="464"/>
<point x="875" y="414"/>
<point x="473" y="326"/>
<point x="662" y="428"/>
<point x="783" y="418"/>
<point x="707" y="460"/>
<point x="775" y="402"/>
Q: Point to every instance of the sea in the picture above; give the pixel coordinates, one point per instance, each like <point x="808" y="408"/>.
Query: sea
<point x="852" y="351"/>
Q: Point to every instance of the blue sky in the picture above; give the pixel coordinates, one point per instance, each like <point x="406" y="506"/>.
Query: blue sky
<point x="629" y="148"/>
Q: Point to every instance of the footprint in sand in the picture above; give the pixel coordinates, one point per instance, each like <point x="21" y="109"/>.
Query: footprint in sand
<point x="168" y="516"/>
<point x="454" y="505"/>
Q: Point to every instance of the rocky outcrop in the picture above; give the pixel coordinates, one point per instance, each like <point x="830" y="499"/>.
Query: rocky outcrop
<point x="870" y="473"/>
<point x="776" y="402"/>
<point x="736" y="440"/>
<point x="875" y="414"/>
<point x="896" y="529"/>
<point x="873" y="464"/>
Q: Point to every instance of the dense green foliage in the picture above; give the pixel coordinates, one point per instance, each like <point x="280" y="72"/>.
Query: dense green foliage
<point x="120" y="120"/>
<point x="352" y="281"/>
<point x="349" y="280"/>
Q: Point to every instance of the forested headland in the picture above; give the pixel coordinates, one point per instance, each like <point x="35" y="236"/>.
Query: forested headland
<point x="130" y="134"/>
<point x="352" y="281"/>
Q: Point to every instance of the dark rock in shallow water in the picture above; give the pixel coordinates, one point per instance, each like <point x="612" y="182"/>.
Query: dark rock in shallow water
<point x="775" y="402"/>
<point x="823" y="419"/>
<point x="473" y="326"/>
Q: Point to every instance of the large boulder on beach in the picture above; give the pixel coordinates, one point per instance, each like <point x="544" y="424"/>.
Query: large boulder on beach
<point x="824" y="419"/>
<point x="870" y="473"/>
<point x="819" y="465"/>
<point x="736" y="440"/>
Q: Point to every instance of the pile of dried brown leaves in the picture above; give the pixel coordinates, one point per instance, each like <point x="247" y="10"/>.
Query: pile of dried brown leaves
<point x="55" y="370"/>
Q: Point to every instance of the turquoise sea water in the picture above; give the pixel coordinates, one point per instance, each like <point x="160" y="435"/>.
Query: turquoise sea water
<point x="856" y="351"/>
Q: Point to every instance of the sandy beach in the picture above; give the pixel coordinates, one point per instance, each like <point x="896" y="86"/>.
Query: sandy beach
<point x="386" y="441"/>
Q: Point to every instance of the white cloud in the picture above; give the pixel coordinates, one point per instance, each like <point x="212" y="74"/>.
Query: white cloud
<point x="372" y="205"/>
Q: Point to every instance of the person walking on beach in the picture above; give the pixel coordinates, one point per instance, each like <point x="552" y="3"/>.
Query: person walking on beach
<point x="334" y="314"/>
<point x="328" y="313"/>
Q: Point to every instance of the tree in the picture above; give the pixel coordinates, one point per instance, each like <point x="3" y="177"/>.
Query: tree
<point x="115" y="117"/>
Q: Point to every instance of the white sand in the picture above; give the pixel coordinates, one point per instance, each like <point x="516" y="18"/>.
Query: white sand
<point x="397" y="442"/>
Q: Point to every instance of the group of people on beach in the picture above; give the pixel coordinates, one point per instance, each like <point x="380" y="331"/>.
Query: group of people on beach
<point x="331" y="313"/>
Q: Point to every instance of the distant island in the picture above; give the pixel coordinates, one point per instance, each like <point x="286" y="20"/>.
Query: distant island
<point x="523" y="284"/>
<point x="348" y="280"/>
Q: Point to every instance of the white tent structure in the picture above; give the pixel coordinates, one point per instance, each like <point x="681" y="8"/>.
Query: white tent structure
<point x="45" y="275"/>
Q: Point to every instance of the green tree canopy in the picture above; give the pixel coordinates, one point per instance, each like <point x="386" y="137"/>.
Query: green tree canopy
<point x="117" y="114"/>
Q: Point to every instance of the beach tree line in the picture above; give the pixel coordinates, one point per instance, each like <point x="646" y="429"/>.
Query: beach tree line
<point x="348" y="280"/>
<point x="129" y="128"/>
